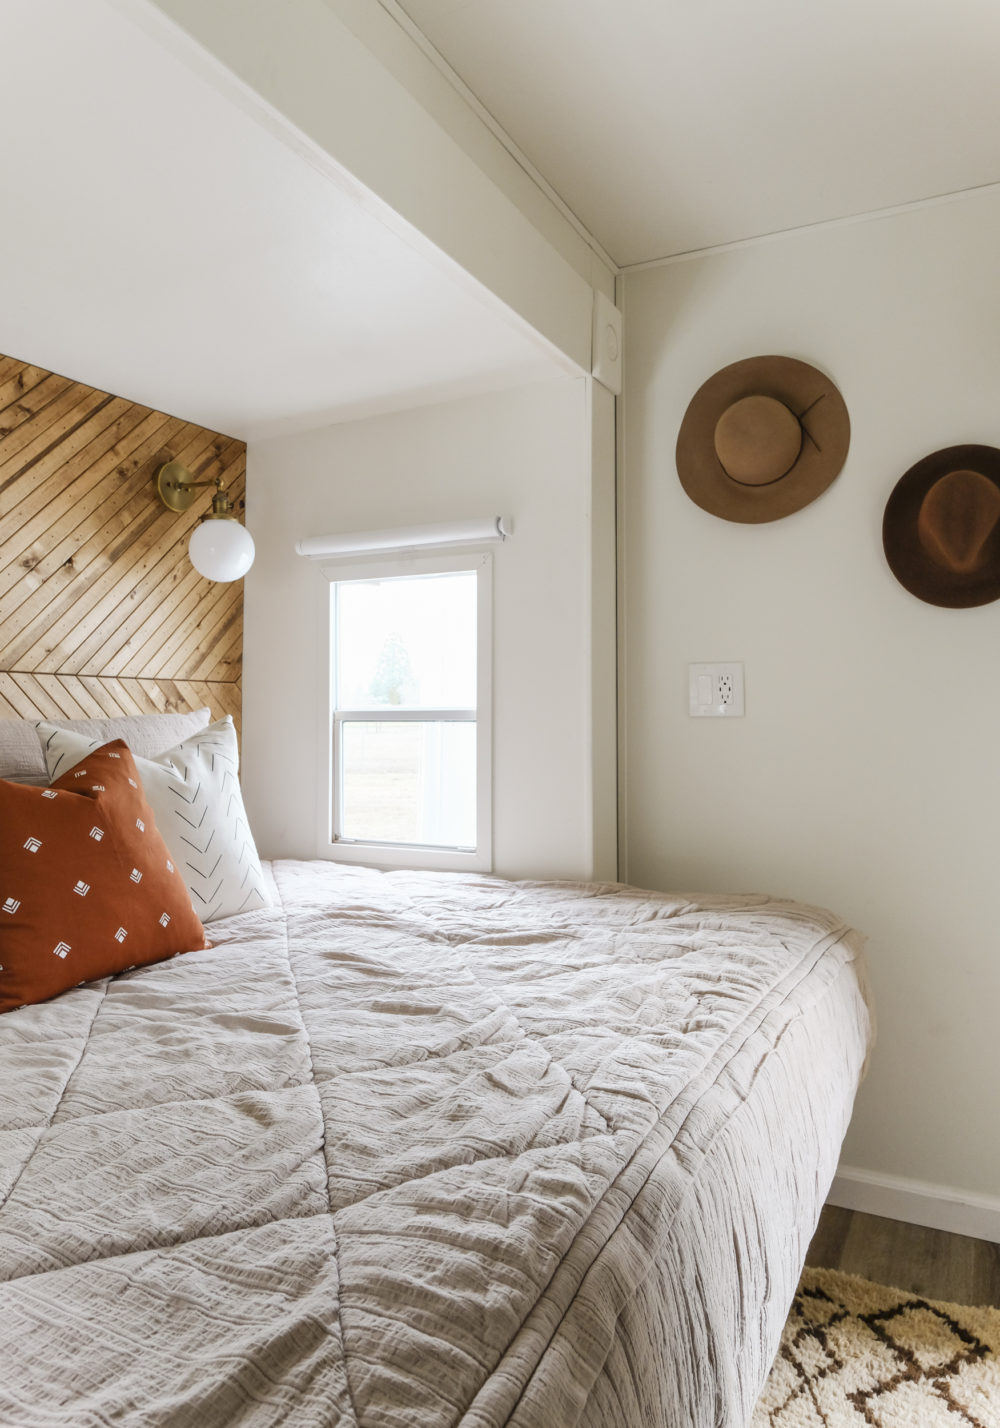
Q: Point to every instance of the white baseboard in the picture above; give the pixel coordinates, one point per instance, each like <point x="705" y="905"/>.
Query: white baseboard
<point x="941" y="1207"/>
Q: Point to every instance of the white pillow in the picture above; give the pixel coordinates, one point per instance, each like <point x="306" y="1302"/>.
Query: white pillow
<point x="147" y="735"/>
<point x="194" y="792"/>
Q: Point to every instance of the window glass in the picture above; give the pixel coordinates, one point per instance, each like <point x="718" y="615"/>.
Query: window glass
<point x="409" y="765"/>
<point x="409" y="781"/>
<point x="407" y="643"/>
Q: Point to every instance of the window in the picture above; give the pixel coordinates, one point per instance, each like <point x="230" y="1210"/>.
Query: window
<point x="408" y="733"/>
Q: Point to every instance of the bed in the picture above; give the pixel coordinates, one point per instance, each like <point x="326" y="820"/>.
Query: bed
<point x="411" y="1150"/>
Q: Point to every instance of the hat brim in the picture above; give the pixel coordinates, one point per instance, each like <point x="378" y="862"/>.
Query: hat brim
<point x="909" y="562"/>
<point x="825" y="439"/>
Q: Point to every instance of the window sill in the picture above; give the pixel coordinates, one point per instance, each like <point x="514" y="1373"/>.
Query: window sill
<point x="392" y="856"/>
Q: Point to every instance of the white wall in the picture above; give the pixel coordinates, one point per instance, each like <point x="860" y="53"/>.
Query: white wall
<point x="525" y="453"/>
<point x="866" y="773"/>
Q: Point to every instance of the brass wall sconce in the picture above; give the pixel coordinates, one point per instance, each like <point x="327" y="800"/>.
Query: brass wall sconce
<point x="220" y="548"/>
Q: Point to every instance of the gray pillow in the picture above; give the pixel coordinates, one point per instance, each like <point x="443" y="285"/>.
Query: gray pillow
<point x="147" y="735"/>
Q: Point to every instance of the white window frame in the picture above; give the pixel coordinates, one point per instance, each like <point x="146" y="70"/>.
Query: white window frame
<point x="408" y="855"/>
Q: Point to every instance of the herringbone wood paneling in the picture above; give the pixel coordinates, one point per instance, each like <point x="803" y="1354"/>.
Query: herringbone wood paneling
<point x="101" y="612"/>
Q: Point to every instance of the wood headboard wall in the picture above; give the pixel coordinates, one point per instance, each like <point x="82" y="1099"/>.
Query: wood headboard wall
<point x="101" y="612"/>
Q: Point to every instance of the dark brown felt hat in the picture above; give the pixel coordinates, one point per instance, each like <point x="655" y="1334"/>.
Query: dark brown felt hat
<point x="941" y="528"/>
<point x="761" y="439"/>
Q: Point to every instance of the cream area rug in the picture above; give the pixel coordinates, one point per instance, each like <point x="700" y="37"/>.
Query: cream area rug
<point x="859" y="1355"/>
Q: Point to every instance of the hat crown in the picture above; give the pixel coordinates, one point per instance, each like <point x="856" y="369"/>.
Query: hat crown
<point x="757" y="440"/>
<point x="957" y="516"/>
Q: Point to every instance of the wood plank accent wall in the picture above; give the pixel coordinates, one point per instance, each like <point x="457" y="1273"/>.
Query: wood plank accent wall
<point x="101" y="612"/>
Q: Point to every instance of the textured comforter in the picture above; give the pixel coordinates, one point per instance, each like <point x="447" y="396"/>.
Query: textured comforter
<point x="419" y="1149"/>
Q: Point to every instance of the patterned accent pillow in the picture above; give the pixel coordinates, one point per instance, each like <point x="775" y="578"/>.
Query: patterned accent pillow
<point x="87" y="886"/>
<point x="194" y="792"/>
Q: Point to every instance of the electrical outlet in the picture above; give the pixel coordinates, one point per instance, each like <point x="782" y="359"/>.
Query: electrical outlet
<point x="715" y="691"/>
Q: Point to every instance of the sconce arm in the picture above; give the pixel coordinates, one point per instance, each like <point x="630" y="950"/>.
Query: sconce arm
<point x="176" y="489"/>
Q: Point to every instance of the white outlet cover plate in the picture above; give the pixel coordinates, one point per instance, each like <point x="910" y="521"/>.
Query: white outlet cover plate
<point x="715" y="691"/>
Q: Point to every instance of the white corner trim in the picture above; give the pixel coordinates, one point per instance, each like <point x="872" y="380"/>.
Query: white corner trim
<point x="847" y="220"/>
<point x="895" y="1197"/>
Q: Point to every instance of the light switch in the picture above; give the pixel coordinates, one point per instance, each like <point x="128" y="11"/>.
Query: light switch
<point x="715" y="691"/>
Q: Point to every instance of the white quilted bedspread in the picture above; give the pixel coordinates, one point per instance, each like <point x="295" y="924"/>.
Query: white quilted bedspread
<point x="414" y="1150"/>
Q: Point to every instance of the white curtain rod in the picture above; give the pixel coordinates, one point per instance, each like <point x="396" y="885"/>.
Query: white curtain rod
<point x="495" y="528"/>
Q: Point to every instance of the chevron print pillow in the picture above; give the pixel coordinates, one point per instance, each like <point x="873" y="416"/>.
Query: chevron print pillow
<point x="194" y="792"/>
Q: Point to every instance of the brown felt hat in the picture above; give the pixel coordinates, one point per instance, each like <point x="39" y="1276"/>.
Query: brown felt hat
<point x="761" y="439"/>
<point x="941" y="528"/>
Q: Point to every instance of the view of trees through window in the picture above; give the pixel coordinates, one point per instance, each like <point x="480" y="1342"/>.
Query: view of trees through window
<point x="405" y="709"/>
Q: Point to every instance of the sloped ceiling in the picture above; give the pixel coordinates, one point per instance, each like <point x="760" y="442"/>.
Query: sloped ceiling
<point x="674" y="125"/>
<point x="159" y="243"/>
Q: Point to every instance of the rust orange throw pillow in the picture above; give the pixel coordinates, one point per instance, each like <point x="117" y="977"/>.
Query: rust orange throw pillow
<point x="87" y="886"/>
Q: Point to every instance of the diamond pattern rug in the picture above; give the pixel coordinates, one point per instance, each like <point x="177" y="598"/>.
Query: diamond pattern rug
<point x="860" y="1355"/>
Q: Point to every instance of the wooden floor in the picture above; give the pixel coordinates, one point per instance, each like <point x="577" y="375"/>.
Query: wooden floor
<point x="931" y="1263"/>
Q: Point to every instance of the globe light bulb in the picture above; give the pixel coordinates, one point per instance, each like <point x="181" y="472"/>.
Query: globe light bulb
<point x="221" y="550"/>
